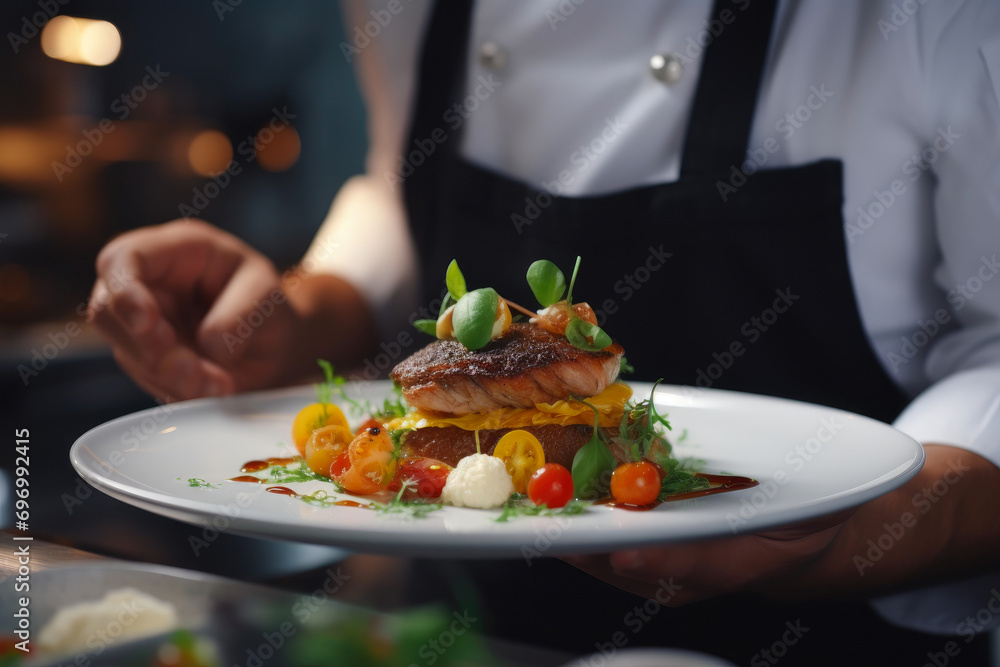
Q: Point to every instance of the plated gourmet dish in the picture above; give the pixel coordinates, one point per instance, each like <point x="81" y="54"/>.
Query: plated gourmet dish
<point x="509" y="410"/>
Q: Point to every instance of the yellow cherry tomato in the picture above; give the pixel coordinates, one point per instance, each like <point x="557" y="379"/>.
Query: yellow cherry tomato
<point x="324" y="446"/>
<point x="522" y="455"/>
<point x="313" y="417"/>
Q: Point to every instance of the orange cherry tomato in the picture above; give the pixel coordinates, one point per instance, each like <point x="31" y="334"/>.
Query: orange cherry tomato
<point x="636" y="483"/>
<point x="311" y="418"/>
<point x="367" y="425"/>
<point x="324" y="445"/>
<point x="373" y="462"/>
<point x="522" y="455"/>
<point x="555" y="318"/>
<point x="340" y="465"/>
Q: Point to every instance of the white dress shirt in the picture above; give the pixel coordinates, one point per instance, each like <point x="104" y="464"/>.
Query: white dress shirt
<point x="905" y="92"/>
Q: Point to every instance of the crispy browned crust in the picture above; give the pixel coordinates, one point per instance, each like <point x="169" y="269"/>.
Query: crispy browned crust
<point x="522" y="368"/>
<point x="451" y="444"/>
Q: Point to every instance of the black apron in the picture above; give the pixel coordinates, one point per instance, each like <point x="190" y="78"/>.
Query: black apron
<point x="755" y="296"/>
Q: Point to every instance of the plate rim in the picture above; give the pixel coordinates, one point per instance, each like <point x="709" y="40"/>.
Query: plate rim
<point x="488" y="544"/>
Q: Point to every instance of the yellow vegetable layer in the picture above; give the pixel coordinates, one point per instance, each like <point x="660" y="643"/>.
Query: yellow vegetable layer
<point x="610" y="405"/>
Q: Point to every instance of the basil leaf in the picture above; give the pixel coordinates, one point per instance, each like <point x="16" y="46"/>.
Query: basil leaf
<point x="427" y="326"/>
<point x="473" y="317"/>
<point x="586" y="336"/>
<point x="455" y="281"/>
<point x="546" y="281"/>
<point x="592" y="468"/>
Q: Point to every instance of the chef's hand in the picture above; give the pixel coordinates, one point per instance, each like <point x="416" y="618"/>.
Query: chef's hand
<point x="191" y="311"/>
<point x="941" y="523"/>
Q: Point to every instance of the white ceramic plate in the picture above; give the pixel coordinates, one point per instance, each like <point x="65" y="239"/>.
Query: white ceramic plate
<point x="810" y="460"/>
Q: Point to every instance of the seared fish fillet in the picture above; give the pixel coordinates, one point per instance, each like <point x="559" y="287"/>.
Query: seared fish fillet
<point x="525" y="366"/>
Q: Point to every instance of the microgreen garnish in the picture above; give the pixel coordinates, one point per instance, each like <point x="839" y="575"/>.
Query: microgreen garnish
<point x="296" y="471"/>
<point x="586" y="336"/>
<point x="199" y="483"/>
<point x="474" y="316"/>
<point x="572" y="282"/>
<point x="518" y="505"/>
<point x="415" y="508"/>
<point x="391" y="407"/>
<point x="455" y="281"/>
<point x="546" y="281"/>
<point x="638" y="432"/>
<point x="332" y="384"/>
<point x="427" y="326"/>
<point x="592" y="465"/>
<point x="625" y="367"/>
<point x="475" y="313"/>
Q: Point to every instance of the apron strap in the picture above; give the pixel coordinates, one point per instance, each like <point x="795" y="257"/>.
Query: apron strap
<point x="441" y="76"/>
<point x="719" y="130"/>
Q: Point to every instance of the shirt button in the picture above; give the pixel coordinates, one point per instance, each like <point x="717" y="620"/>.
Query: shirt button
<point x="491" y="56"/>
<point x="666" y="67"/>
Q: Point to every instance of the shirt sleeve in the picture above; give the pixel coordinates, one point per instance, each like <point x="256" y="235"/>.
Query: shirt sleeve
<point x="961" y="406"/>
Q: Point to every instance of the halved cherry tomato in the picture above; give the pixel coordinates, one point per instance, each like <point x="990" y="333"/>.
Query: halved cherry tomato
<point x="426" y="476"/>
<point x="522" y="455"/>
<point x="551" y="485"/>
<point x="311" y="418"/>
<point x="325" y="445"/>
<point x="340" y="465"/>
<point x="373" y="462"/>
<point x="367" y="425"/>
<point x="555" y="318"/>
<point x="636" y="483"/>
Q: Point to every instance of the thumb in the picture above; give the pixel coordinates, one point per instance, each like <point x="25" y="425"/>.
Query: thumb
<point x="234" y="316"/>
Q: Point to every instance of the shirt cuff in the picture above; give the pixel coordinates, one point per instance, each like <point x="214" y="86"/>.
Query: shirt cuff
<point x="961" y="410"/>
<point x="366" y="241"/>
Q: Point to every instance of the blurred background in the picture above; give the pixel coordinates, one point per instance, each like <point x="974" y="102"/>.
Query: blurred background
<point x="116" y="115"/>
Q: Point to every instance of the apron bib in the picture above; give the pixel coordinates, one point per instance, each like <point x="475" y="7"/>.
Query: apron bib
<point x="748" y="289"/>
<point x="750" y="292"/>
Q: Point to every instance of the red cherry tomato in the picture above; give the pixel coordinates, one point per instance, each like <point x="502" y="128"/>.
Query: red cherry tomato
<point x="551" y="485"/>
<point x="636" y="483"/>
<point x="426" y="477"/>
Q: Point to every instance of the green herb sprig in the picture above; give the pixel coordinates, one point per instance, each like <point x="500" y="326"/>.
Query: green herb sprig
<point x="518" y="505"/>
<point x="417" y="509"/>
